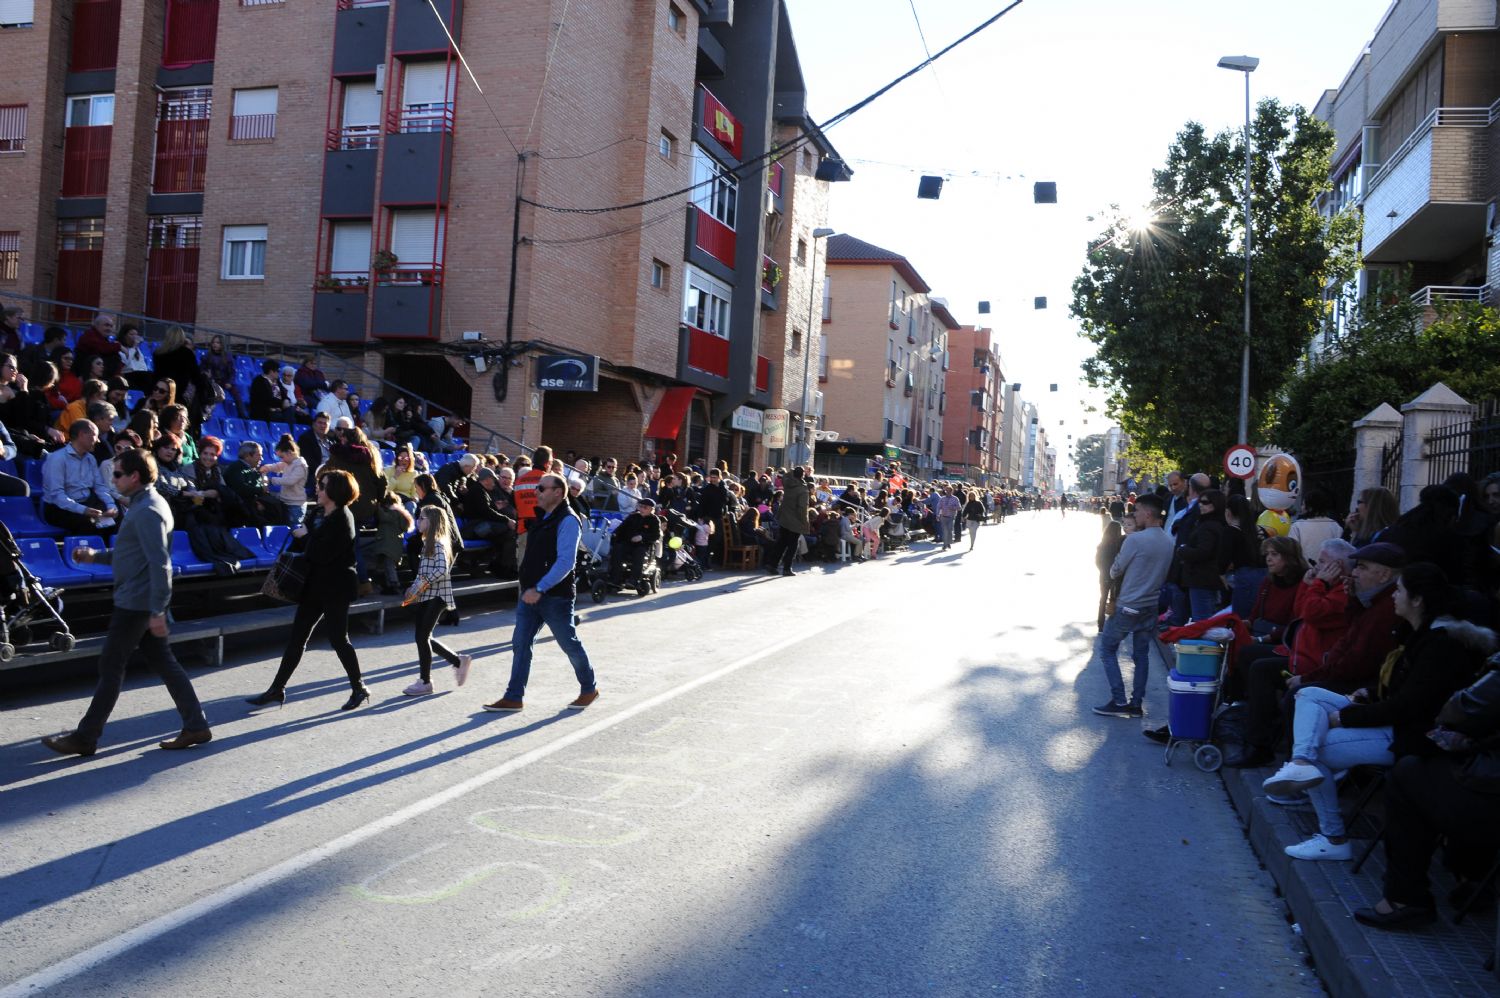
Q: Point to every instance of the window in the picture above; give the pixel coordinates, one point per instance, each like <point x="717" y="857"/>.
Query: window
<point x="796" y="341"/>
<point x="417" y="237"/>
<point x="12" y="128"/>
<point x="676" y="20"/>
<point x="823" y="357"/>
<point x="427" y="90"/>
<point x="91" y="109"/>
<point x="666" y="145"/>
<point x="244" y="253"/>
<point x="660" y="275"/>
<point x="359" y="126"/>
<point x="16" y="13"/>
<point x="10" y="256"/>
<point x="715" y="189"/>
<point x="895" y="293"/>
<point x="254" y="115"/>
<point x="827" y="298"/>
<point x="808" y="165"/>
<point x="802" y="251"/>
<point x="706" y="303"/>
<point x="349" y="251"/>
<point x="80" y="233"/>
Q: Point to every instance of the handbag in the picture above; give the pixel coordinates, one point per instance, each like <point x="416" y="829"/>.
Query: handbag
<point x="287" y="577"/>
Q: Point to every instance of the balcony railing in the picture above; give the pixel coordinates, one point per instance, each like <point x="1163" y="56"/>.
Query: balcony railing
<point x="354" y="137"/>
<point x="96" y="35"/>
<point x="714" y="237"/>
<point x="778" y="173"/>
<point x="762" y="373"/>
<point x="411" y="274"/>
<point x="252" y="127"/>
<point x="1435" y="294"/>
<point x="1441" y="117"/>
<point x="708" y="352"/>
<point x="191" y="28"/>
<point x="86" y="161"/>
<point x="770" y="274"/>
<point x="351" y="4"/>
<point x="172" y="283"/>
<point x="339" y="280"/>
<point x="181" y="157"/>
<point x="420" y="118"/>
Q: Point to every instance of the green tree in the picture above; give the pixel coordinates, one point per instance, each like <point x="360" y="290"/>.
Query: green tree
<point x="1386" y="357"/>
<point x="1163" y="302"/>
<point x="1088" y="457"/>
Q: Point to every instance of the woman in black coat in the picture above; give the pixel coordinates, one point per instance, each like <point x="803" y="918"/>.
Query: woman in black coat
<point x="1207" y="555"/>
<point x="329" y="588"/>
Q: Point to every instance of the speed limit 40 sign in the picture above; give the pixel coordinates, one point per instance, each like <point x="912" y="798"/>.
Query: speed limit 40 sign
<point x="1239" y="462"/>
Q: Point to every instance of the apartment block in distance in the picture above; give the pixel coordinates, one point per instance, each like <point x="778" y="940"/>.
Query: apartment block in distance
<point x="887" y="352"/>
<point x="974" y="422"/>
<point x="356" y="195"/>
<point x="1417" y="123"/>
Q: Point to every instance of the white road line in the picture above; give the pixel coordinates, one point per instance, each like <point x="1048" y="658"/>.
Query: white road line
<point x="65" y="970"/>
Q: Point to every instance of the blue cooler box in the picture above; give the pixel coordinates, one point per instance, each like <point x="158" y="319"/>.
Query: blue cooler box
<point x="1196" y="657"/>
<point x="1190" y="706"/>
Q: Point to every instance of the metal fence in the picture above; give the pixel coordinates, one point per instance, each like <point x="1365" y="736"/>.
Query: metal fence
<point x="1468" y="442"/>
<point x="1390" y="467"/>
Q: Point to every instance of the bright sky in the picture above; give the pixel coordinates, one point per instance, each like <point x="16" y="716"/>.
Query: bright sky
<point x="1087" y="93"/>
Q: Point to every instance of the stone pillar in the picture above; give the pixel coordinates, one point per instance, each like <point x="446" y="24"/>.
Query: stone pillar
<point x="1421" y="415"/>
<point x="1372" y="435"/>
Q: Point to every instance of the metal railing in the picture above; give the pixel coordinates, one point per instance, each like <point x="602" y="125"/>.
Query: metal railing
<point x="354" y="137"/>
<point x="1441" y="117"/>
<point x="1468" y="442"/>
<point x="255" y="346"/>
<point x="250" y="127"/>
<point x="1436" y="293"/>
<point x="1390" y="467"/>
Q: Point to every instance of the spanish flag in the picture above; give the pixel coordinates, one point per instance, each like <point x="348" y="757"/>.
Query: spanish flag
<point x="723" y="127"/>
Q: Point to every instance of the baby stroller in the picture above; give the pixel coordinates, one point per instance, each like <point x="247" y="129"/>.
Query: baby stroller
<point x="26" y="604"/>
<point x="642" y="574"/>
<point x="678" y="559"/>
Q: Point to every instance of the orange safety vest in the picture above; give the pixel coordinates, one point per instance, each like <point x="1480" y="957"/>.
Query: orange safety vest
<point x="525" y="496"/>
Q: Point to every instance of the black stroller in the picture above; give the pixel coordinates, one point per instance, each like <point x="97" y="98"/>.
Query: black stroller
<point x="643" y="573"/>
<point x="677" y="559"/>
<point x="26" y="605"/>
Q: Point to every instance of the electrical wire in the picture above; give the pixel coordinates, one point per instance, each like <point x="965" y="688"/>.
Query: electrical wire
<point x="541" y="90"/>
<point x="781" y="151"/>
<point x="472" y="78"/>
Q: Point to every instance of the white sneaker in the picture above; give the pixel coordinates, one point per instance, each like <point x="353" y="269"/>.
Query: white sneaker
<point x="1290" y="800"/>
<point x="1292" y="777"/>
<point x="1318" y="847"/>
<point x="417" y="689"/>
<point x="465" y="663"/>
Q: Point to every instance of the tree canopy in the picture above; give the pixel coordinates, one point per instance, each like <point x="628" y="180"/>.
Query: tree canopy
<point x="1163" y="301"/>
<point x="1088" y="457"/>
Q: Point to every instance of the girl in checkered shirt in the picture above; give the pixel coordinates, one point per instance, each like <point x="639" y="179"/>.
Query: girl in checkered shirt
<point x="432" y="592"/>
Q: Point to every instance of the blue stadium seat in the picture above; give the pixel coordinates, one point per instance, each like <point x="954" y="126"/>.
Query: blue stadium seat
<point x="235" y="427"/>
<point x="184" y="562"/>
<point x="31" y="332"/>
<point x="8" y="467"/>
<point x="20" y="515"/>
<point x="250" y="537"/>
<point x="41" y="556"/>
<point x="277" y="429"/>
<point x="133" y="399"/>
<point x="214" y="425"/>
<point x="470" y="543"/>
<point x="100" y="573"/>
<point x="275" y="537"/>
<point x="33" y="475"/>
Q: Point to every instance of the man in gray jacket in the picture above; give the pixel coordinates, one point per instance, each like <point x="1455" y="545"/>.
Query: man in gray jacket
<point x="142" y="565"/>
<point x="1141" y="566"/>
<point x="791" y="515"/>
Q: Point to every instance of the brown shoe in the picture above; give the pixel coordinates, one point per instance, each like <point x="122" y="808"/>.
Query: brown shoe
<point x="584" y="699"/>
<point x="188" y="739"/>
<point x="68" y="744"/>
<point x="503" y="706"/>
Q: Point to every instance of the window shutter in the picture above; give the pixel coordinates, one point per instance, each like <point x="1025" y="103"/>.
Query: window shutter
<point x="412" y="238"/>
<point x="425" y="83"/>
<point x="259" y="101"/>
<point x="351" y="247"/>
<point x="361" y="104"/>
<point x="17" y="11"/>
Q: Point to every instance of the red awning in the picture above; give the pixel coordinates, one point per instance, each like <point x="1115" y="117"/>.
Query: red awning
<point x="667" y="420"/>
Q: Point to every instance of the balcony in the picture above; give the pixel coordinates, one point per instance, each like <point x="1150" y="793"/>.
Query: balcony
<point x="770" y="277"/>
<point x="359" y="32"/>
<point x="339" y="306"/>
<point x="190" y="34"/>
<point x="80" y="274"/>
<point x="408" y="302"/>
<point x="707" y="352"/>
<point x="418" y="31"/>
<point x="86" y="161"/>
<point x="96" y="35"/>
<point x="252" y="127"/>
<point x="349" y="176"/>
<point x="762" y="374"/>
<point x="712" y="237"/>
<point x="172" y="283"/>
<point x="719" y="125"/>
<point x="418" y="159"/>
<point x="181" y="157"/>
<point x="1434" y="295"/>
<point x="1431" y="187"/>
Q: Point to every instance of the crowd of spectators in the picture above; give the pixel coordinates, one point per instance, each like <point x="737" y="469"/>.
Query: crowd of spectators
<point x="1368" y="642"/>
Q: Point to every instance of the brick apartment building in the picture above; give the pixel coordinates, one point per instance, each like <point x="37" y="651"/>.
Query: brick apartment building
<point x="1417" y="122"/>
<point x="975" y="421"/>
<point x="886" y="354"/>
<point x="324" y="174"/>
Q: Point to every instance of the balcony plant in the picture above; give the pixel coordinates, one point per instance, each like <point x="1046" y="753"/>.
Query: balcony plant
<point x="384" y="260"/>
<point x="770" y="274"/>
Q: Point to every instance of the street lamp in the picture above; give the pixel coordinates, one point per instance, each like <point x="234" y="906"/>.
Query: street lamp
<point x="1245" y="64"/>
<point x="804" y="441"/>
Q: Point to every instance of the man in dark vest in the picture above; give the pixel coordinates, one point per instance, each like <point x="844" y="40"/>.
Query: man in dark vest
<point x="547" y="591"/>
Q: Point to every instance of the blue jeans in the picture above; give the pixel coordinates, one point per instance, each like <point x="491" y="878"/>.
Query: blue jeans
<point x="1244" y="586"/>
<point x="1203" y="603"/>
<point x="1139" y="627"/>
<point x="1333" y="749"/>
<point x="557" y="613"/>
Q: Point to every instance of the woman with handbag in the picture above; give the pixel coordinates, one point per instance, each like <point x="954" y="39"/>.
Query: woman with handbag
<point x="432" y="592"/>
<point x="327" y="589"/>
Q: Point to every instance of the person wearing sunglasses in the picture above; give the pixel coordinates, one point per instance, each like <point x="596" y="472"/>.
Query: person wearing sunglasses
<point x="548" y="588"/>
<point x="142" y="564"/>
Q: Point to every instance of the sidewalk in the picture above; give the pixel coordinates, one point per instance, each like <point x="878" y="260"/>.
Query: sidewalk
<point x="1353" y="960"/>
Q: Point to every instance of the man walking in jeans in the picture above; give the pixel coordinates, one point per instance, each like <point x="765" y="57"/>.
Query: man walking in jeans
<point x="547" y="591"/>
<point x="143" y="588"/>
<point x="1141" y="565"/>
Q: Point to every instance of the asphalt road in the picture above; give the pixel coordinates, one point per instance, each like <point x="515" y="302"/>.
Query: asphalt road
<point x="879" y="779"/>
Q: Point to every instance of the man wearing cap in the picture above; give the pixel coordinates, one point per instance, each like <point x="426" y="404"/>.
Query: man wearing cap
<point x="480" y="505"/>
<point x="1355" y="658"/>
<point x="637" y="534"/>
